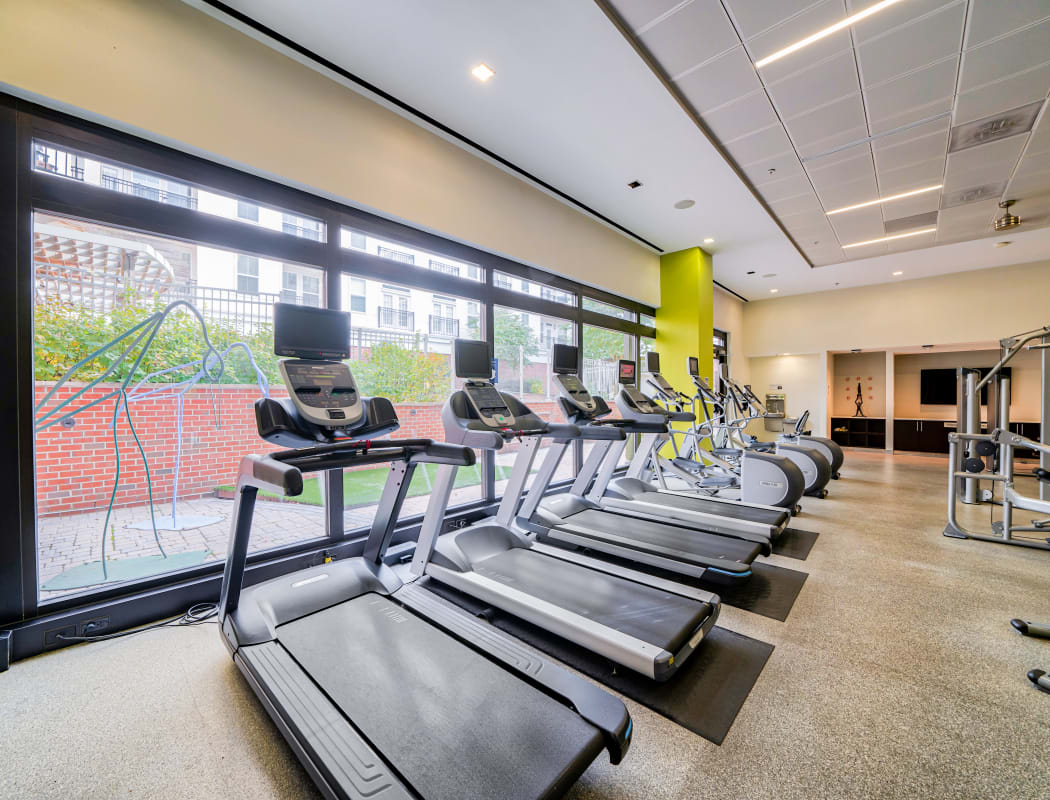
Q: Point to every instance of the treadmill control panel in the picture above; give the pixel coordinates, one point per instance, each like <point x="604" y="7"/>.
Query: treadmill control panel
<point x="573" y="390"/>
<point x="642" y="403"/>
<point x="661" y="382"/>
<point x="489" y="404"/>
<point x="324" y="392"/>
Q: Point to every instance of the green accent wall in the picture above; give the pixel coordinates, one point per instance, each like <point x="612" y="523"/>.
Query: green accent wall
<point x="685" y="318"/>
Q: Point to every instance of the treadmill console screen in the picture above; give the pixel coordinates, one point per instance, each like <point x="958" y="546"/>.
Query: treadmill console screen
<point x="313" y="333"/>
<point x="694" y="366"/>
<point x="627" y="372"/>
<point x="324" y="392"/>
<point x="652" y="362"/>
<point x="473" y="359"/>
<point x="564" y="359"/>
<point x="577" y="394"/>
<point x="489" y="404"/>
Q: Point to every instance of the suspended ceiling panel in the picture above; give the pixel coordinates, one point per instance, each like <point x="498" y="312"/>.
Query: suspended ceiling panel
<point x="924" y="92"/>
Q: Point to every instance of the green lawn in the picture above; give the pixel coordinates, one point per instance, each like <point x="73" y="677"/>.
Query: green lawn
<point x="363" y="487"/>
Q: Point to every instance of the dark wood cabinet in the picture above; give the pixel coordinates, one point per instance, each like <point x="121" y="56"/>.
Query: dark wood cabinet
<point x="859" y="432"/>
<point x="933" y="436"/>
<point x="906" y="434"/>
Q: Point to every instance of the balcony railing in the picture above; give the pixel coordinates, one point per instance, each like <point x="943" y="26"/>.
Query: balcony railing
<point x="441" y="266"/>
<point x="396" y="255"/>
<point x="154" y="193"/>
<point x="444" y="326"/>
<point x="396" y="318"/>
<point x="307" y="231"/>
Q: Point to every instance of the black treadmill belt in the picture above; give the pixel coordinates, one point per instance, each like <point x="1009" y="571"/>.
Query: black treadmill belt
<point x="795" y="543"/>
<point x="666" y="535"/>
<point x="452" y="723"/>
<point x="660" y="618"/>
<point x="728" y="510"/>
<point x="705" y="695"/>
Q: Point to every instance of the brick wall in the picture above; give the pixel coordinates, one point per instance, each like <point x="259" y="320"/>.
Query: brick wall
<point x="75" y="466"/>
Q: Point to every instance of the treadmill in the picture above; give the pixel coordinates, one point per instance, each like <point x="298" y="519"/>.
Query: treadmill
<point x="572" y="520"/>
<point x="751" y="521"/>
<point x="643" y="622"/>
<point x="632" y="496"/>
<point x="382" y="689"/>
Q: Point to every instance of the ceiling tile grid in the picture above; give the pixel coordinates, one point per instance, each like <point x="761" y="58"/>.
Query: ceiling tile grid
<point x="921" y="94"/>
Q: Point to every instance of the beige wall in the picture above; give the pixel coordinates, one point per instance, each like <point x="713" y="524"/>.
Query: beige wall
<point x="803" y="379"/>
<point x="984" y="305"/>
<point x="1025" y="383"/>
<point x="870" y="370"/>
<point x="167" y="71"/>
<point x="729" y="316"/>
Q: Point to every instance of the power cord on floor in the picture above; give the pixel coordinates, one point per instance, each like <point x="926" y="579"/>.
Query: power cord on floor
<point x="198" y="614"/>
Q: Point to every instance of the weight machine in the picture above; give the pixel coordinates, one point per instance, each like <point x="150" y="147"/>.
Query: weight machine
<point x="974" y="456"/>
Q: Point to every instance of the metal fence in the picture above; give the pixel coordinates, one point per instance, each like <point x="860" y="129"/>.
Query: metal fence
<point x="104" y="293"/>
<point x="601" y="378"/>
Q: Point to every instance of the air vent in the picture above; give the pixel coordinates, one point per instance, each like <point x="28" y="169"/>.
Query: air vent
<point x="974" y="194"/>
<point x="901" y="224"/>
<point x="992" y="129"/>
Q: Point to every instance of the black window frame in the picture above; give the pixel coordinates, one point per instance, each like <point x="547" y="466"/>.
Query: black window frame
<point x="24" y="189"/>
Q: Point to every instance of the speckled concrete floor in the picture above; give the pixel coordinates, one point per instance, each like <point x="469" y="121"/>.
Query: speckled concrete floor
<point x="896" y="675"/>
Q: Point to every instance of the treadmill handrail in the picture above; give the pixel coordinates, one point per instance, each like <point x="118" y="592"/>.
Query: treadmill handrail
<point x="282" y="473"/>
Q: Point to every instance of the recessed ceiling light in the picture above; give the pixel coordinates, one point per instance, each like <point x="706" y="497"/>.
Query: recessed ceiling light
<point x="482" y="72"/>
<point x="886" y="199"/>
<point x="816" y="37"/>
<point x="709" y="241"/>
<point x="683" y="204"/>
<point x="634" y="184"/>
<point x="1003" y="244"/>
<point x="750" y="272"/>
<point x="786" y="354"/>
<point x="770" y="275"/>
<point x="898" y="272"/>
<point x="773" y="291"/>
<point x="890" y="238"/>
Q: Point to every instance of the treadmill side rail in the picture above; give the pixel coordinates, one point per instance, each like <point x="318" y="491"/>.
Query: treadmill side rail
<point x="622" y="648"/>
<point x="342" y="764"/>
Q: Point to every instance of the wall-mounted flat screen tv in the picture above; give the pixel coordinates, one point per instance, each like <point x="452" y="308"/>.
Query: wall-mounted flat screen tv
<point x="937" y="386"/>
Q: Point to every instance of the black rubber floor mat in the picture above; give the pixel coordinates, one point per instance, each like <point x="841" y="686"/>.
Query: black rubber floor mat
<point x="770" y="591"/>
<point x="795" y="543"/>
<point x="705" y="695"/>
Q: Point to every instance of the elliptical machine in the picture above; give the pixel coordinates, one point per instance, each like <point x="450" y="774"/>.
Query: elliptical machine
<point x="750" y="477"/>
<point x="799" y="436"/>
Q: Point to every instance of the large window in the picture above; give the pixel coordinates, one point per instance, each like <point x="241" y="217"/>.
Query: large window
<point x="154" y="227"/>
<point x="137" y="448"/>
<point x="603" y="349"/>
<point x="505" y="281"/>
<point x="408" y="254"/>
<point x="589" y="304"/>
<point x="169" y="191"/>
<point x="401" y="348"/>
<point x="523" y="347"/>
